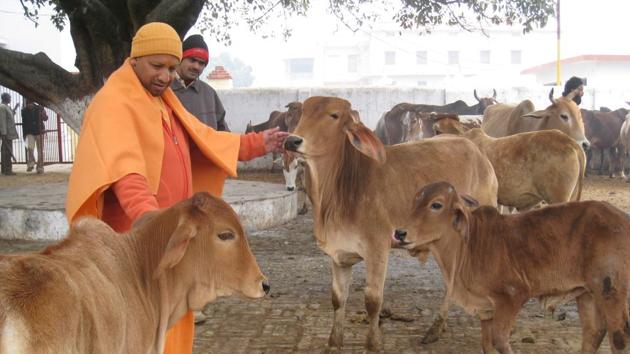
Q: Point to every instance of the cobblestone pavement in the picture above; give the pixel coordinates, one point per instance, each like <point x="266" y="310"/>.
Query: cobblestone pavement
<point x="296" y="317"/>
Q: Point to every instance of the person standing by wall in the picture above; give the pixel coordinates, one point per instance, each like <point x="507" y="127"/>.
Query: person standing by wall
<point x="7" y="134"/>
<point x="198" y="97"/>
<point x="33" y="130"/>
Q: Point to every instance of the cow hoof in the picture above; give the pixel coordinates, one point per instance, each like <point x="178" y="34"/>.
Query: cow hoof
<point x="433" y="334"/>
<point x="374" y="344"/>
<point x="335" y="341"/>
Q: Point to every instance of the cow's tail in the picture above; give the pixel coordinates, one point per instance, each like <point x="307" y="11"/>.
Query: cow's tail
<point x="582" y="159"/>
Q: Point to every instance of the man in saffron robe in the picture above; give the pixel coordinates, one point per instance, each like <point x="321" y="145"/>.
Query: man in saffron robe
<point x="140" y="150"/>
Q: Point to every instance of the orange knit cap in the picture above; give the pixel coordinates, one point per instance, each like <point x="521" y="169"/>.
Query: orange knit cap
<point x="156" y="38"/>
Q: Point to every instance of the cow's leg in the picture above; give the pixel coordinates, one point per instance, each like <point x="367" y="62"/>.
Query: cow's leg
<point x="619" y="157"/>
<point x="376" y="267"/>
<point x="601" y="161"/>
<point x="593" y="327"/>
<point x="342" y="277"/>
<point x="439" y="323"/>
<point x="589" y="157"/>
<point x="486" y="337"/>
<point x="506" y="310"/>
<point x="611" y="298"/>
<point x="612" y="152"/>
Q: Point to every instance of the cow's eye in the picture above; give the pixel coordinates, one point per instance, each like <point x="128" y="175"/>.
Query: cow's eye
<point x="334" y="116"/>
<point x="436" y="205"/>
<point x="224" y="236"/>
<point x="564" y="117"/>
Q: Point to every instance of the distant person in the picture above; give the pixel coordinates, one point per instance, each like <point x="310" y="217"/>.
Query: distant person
<point x="573" y="84"/>
<point x="7" y="134"/>
<point x="198" y="97"/>
<point x="33" y="130"/>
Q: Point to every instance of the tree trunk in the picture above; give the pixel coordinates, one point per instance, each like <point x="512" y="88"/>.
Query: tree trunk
<point x="71" y="110"/>
<point x="102" y="32"/>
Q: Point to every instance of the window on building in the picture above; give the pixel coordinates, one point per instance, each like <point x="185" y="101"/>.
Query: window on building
<point x="484" y="57"/>
<point x="516" y="57"/>
<point x="353" y="63"/>
<point x="453" y="57"/>
<point x="421" y="57"/>
<point x="300" y="66"/>
<point x="422" y="83"/>
<point x="390" y="58"/>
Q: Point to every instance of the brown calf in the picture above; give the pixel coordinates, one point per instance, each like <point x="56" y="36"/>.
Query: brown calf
<point x="359" y="194"/>
<point x="103" y="292"/>
<point x="495" y="263"/>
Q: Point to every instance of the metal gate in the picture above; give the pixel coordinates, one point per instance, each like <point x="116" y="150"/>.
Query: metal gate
<point x="60" y="140"/>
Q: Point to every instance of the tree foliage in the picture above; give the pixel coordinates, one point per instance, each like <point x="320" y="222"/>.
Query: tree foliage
<point x="102" y="31"/>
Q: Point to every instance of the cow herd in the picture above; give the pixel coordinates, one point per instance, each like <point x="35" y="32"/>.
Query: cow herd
<point x="439" y="196"/>
<point x="434" y="196"/>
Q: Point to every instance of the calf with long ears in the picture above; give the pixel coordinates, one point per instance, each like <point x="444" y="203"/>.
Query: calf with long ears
<point x="102" y="292"/>
<point x="494" y="263"/>
<point x="359" y="194"/>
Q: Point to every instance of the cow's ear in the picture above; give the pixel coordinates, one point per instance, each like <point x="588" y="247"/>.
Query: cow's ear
<point x="469" y="201"/>
<point x="364" y="140"/>
<point x="460" y="220"/>
<point x="536" y="114"/>
<point x="177" y="246"/>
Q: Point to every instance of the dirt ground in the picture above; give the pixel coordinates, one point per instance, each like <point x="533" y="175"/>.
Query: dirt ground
<point x="297" y="315"/>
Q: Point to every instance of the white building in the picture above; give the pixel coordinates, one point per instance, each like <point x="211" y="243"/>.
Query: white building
<point x="601" y="71"/>
<point x="447" y="57"/>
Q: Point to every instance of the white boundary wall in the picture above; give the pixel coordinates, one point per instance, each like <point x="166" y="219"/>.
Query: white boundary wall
<point x="244" y="105"/>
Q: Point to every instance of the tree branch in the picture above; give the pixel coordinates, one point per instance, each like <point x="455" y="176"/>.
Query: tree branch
<point x="38" y="77"/>
<point x="181" y="14"/>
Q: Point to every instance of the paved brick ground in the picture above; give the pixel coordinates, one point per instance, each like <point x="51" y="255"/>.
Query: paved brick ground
<point x="297" y="315"/>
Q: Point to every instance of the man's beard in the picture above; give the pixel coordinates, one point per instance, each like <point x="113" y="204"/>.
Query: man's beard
<point x="577" y="99"/>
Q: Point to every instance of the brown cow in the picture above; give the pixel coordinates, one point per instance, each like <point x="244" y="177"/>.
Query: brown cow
<point x="102" y="292"/>
<point x="359" y="195"/>
<point x="495" y="263"/>
<point x="563" y="114"/>
<point x="286" y="121"/>
<point x="602" y="131"/>
<point x="399" y="125"/>
<point x="531" y="167"/>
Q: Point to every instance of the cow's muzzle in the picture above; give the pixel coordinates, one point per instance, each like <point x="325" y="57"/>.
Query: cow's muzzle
<point x="266" y="287"/>
<point x="293" y="143"/>
<point x="399" y="237"/>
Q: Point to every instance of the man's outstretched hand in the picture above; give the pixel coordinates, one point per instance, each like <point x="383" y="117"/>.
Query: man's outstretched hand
<point x="274" y="139"/>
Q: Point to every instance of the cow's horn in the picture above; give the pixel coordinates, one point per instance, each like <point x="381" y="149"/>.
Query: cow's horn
<point x="551" y="96"/>
<point x="477" y="98"/>
<point x="494" y="94"/>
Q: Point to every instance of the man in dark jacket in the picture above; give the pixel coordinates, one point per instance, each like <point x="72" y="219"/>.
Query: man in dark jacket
<point x="575" y="83"/>
<point x="33" y="129"/>
<point x="197" y="96"/>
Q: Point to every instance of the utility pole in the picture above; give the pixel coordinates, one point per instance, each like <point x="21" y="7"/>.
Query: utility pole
<point x="558" y="79"/>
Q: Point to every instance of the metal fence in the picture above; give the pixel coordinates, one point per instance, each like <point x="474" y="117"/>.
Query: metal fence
<point x="60" y="141"/>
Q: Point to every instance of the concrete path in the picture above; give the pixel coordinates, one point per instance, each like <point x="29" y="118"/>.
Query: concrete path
<point x="36" y="212"/>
